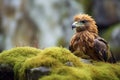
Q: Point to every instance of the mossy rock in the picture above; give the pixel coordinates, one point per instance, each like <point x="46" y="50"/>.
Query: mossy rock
<point x="55" y="58"/>
<point x="17" y="56"/>
<point x="98" y="71"/>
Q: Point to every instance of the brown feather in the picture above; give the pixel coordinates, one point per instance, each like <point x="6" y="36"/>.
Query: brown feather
<point x="86" y="43"/>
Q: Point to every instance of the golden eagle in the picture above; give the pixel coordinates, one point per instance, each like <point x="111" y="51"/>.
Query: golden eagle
<point x="86" y="42"/>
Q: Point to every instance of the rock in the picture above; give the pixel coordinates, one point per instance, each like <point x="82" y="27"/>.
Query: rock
<point x="36" y="73"/>
<point x="6" y="72"/>
<point x="69" y="63"/>
<point x="86" y="61"/>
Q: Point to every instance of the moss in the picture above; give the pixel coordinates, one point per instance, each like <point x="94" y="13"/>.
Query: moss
<point x="81" y="54"/>
<point x="98" y="71"/>
<point x="62" y="54"/>
<point x="74" y="73"/>
<point x="25" y="58"/>
<point x="61" y="42"/>
<point x="53" y="57"/>
<point x="17" y="56"/>
<point x="56" y="77"/>
<point x="37" y="62"/>
<point x="105" y="71"/>
<point x="68" y="73"/>
<point x="102" y="73"/>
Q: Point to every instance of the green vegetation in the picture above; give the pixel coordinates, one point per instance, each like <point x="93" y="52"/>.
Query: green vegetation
<point x="17" y="56"/>
<point x="23" y="58"/>
<point x="97" y="71"/>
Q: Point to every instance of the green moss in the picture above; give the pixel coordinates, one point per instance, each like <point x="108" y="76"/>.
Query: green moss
<point x="56" y="77"/>
<point x="73" y="72"/>
<point x="53" y="57"/>
<point x="37" y="62"/>
<point x="61" y="42"/>
<point x="105" y="71"/>
<point x="17" y="56"/>
<point x="102" y="73"/>
<point x="62" y="54"/>
<point x="25" y="58"/>
<point x="68" y="73"/>
<point x="97" y="71"/>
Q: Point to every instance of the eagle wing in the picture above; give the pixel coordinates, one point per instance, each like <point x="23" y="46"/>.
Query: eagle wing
<point x="102" y="50"/>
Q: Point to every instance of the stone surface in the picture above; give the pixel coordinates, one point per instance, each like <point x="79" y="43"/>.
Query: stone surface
<point x="86" y="61"/>
<point x="69" y="64"/>
<point x="6" y="72"/>
<point x="36" y="73"/>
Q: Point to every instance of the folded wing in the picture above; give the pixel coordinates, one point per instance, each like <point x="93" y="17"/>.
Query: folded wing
<point x="102" y="50"/>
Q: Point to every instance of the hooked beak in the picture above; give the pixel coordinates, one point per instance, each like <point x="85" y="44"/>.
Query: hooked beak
<point x="77" y="24"/>
<point x="74" y="25"/>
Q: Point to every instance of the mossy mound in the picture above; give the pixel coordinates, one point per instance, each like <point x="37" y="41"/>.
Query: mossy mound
<point x="97" y="71"/>
<point x="17" y="56"/>
<point x="55" y="58"/>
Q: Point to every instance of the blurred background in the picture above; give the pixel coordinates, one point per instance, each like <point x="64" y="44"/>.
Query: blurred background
<point x="46" y="23"/>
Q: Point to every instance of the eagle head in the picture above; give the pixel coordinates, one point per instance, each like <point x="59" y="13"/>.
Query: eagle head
<point x="84" y="22"/>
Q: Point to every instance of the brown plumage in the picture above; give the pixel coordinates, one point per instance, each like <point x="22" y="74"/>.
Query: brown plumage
<point x="86" y="42"/>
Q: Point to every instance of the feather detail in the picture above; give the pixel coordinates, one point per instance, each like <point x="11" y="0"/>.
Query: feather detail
<point x="86" y="43"/>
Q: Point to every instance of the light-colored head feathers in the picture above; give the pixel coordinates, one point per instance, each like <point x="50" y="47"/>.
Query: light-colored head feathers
<point x="91" y="22"/>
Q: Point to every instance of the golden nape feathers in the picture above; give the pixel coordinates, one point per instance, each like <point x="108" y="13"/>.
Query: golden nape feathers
<point x="86" y="42"/>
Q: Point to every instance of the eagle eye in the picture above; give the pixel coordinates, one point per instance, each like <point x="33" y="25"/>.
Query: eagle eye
<point x="84" y="21"/>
